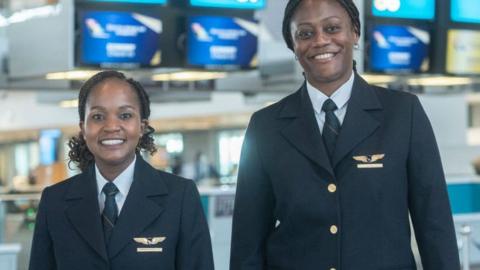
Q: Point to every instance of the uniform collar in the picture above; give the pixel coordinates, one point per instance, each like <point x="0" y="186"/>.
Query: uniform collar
<point x="340" y="96"/>
<point x="123" y="181"/>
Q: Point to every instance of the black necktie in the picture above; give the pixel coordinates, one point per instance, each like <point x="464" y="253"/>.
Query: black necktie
<point x="331" y="127"/>
<point x="110" y="212"/>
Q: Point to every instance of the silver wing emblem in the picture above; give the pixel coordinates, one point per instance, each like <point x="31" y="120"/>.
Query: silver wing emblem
<point x="149" y="241"/>
<point x="369" y="159"/>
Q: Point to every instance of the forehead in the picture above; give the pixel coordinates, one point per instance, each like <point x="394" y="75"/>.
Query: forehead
<point x="113" y="92"/>
<point x="313" y="11"/>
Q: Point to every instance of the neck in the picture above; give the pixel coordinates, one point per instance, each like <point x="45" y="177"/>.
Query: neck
<point x="111" y="171"/>
<point x="328" y="87"/>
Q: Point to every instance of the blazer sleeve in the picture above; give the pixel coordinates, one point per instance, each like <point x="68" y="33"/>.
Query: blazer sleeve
<point x="42" y="254"/>
<point x="194" y="250"/>
<point x="254" y="203"/>
<point x="428" y="198"/>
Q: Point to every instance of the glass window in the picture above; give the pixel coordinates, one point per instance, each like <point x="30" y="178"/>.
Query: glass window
<point x="229" y="148"/>
<point x="172" y="142"/>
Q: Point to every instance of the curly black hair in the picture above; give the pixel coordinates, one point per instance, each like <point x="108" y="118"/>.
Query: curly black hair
<point x="79" y="152"/>
<point x="292" y="6"/>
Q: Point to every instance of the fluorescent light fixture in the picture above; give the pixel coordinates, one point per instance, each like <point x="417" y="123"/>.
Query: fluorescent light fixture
<point x="378" y="79"/>
<point x="173" y="76"/>
<point x="71" y="75"/>
<point x="189" y="76"/>
<point x="440" y="81"/>
<point x="423" y="81"/>
<point x="27" y="14"/>
<point x="70" y="103"/>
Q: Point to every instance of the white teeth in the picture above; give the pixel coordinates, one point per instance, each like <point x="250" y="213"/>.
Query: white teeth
<point x="324" y="56"/>
<point x="112" y="142"/>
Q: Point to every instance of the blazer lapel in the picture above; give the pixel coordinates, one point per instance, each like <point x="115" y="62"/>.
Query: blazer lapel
<point x="83" y="212"/>
<point x="140" y="208"/>
<point x="359" y="122"/>
<point x="303" y="132"/>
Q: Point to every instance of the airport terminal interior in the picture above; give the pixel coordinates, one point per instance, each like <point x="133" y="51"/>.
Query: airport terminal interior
<point x="208" y="65"/>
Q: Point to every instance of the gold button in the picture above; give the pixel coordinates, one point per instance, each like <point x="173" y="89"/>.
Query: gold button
<point x="333" y="229"/>
<point x="332" y="188"/>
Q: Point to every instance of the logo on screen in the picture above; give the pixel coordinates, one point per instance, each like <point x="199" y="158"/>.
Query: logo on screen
<point x="387" y="5"/>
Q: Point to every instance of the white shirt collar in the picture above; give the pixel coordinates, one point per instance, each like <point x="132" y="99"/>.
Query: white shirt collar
<point x="340" y="96"/>
<point x="123" y="181"/>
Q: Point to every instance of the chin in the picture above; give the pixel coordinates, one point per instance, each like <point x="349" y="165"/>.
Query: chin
<point x="115" y="159"/>
<point x="327" y="77"/>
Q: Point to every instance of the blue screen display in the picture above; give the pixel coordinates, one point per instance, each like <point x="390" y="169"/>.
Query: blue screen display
<point x="407" y="9"/>
<point x="120" y="39"/>
<point x="399" y="48"/>
<point x="464" y="198"/>
<point x="247" y="4"/>
<point x="222" y="42"/>
<point x="48" y="145"/>
<point x="134" y="1"/>
<point x="465" y="11"/>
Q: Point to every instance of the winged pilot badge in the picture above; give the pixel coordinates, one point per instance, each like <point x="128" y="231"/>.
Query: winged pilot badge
<point x="369" y="161"/>
<point x="151" y="242"/>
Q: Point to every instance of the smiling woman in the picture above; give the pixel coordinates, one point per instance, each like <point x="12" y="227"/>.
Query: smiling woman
<point x="133" y="101"/>
<point x="119" y="213"/>
<point x="323" y="43"/>
<point x="329" y="175"/>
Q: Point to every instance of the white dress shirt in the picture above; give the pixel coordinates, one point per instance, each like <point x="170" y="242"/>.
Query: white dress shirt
<point x="340" y="97"/>
<point x="123" y="183"/>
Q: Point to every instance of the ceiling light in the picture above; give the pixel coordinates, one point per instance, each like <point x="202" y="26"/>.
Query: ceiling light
<point x="189" y="76"/>
<point x="71" y="75"/>
<point x="378" y="79"/>
<point x="440" y="81"/>
<point x="71" y="103"/>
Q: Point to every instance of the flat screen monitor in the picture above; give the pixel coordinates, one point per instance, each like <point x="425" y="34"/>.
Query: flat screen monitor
<point x="120" y="39"/>
<point x="222" y="42"/>
<point x="133" y="1"/>
<point x="466" y="11"/>
<point x="244" y="4"/>
<point x="396" y="48"/>
<point x="463" y="51"/>
<point x="406" y="9"/>
<point x="48" y="145"/>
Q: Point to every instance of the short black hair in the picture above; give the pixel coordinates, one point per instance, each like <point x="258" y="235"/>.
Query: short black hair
<point x="79" y="152"/>
<point x="292" y="6"/>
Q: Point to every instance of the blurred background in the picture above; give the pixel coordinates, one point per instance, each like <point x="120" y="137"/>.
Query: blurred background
<point x="207" y="66"/>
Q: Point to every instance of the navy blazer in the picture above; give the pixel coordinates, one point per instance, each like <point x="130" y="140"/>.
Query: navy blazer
<point x="296" y="209"/>
<point x="68" y="232"/>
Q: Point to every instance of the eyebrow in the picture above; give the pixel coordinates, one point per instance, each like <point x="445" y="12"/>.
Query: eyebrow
<point x="321" y="20"/>
<point x="123" y="107"/>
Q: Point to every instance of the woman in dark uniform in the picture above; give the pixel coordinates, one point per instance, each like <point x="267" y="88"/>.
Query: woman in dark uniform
<point x="119" y="212"/>
<point x="330" y="174"/>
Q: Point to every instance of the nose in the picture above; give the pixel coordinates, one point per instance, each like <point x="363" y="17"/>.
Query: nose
<point x="322" y="38"/>
<point x="112" y="124"/>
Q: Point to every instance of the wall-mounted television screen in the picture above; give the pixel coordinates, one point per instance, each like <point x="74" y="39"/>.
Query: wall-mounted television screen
<point x="48" y="145"/>
<point x="406" y="9"/>
<point x="222" y="42"/>
<point x="119" y="39"/>
<point x="244" y="4"/>
<point x="397" y="48"/>
<point x="463" y="51"/>
<point x="465" y="11"/>
<point x="133" y="1"/>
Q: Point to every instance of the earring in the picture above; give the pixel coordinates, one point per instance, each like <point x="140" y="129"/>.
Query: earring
<point x="356" y="46"/>
<point x="296" y="57"/>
